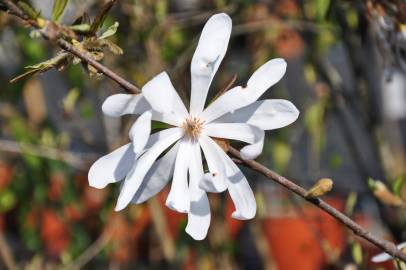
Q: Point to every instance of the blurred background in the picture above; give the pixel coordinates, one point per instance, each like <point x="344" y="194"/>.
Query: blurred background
<point x="346" y="74"/>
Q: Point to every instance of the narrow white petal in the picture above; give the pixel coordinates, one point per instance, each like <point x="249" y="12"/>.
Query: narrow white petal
<point x="121" y="104"/>
<point x="159" y="93"/>
<point x="238" y="97"/>
<point x="215" y="180"/>
<point x="111" y="168"/>
<point x="267" y="75"/>
<point x="383" y="257"/>
<point x="209" y="53"/>
<point x="178" y="198"/>
<point x="140" y="131"/>
<point x="157" y="177"/>
<point x="136" y="176"/>
<point x="240" y="191"/>
<point x="241" y="132"/>
<point x="199" y="214"/>
<point x="265" y="114"/>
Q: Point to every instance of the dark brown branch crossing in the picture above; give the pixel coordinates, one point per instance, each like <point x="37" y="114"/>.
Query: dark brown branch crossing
<point x="290" y="185"/>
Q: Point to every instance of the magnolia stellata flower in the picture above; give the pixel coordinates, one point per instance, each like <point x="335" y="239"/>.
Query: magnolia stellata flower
<point x="383" y="257"/>
<point x="176" y="152"/>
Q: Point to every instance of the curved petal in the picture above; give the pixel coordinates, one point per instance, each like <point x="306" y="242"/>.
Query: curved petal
<point x="178" y="198"/>
<point x="209" y="53"/>
<point x="157" y="177"/>
<point x="238" y="97"/>
<point x="241" y="132"/>
<point x="215" y="181"/>
<point x="199" y="215"/>
<point x="136" y="176"/>
<point x="121" y="104"/>
<point x="111" y="168"/>
<point x="383" y="257"/>
<point x="240" y="191"/>
<point x="264" y="114"/>
<point x="140" y="131"/>
<point x="162" y="96"/>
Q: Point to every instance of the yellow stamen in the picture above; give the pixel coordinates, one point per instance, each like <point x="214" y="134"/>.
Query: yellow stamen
<point x="192" y="127"/>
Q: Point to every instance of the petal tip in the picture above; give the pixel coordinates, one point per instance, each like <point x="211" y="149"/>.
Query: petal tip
<point x="246" y="216"/>
<point x="196" y="236"/>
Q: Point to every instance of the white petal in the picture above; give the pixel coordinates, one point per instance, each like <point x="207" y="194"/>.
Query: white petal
<point x="265" y="114"/>
<point x="140" y="131"/>
<point x="199" y="214"/>
<point x="267" y="75"/>
<point x="238" y="97"/>
<point x="241" y="132"/>
<point x="178" y="198"/>
<point x="383" y="257"/>
<point x="209" y="53"/>
<point x="215" y="181"/>
<point x="111" y="168"/>
<point x="121" y="104"/>
<point x="157" y="177"/>
<point x="136" y="176"/>
<point x="168" y="106"/>
<point x="240" y="191"/>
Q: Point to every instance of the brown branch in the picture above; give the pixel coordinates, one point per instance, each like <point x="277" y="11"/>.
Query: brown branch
<point x="62" y="43"/>
<point x="349" y="223"/>
<point x="384" y="245"/>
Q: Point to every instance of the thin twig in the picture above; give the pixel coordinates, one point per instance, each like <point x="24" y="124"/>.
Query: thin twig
<point x="77" y="160"/>
<point x="126" y="85"/>
<point x="90" y="252"/>
<point x="226" y="88"/>
<point x="384" y="245"/>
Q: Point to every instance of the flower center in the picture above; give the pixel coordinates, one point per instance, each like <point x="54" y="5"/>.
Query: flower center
<point x="192" y="127"/>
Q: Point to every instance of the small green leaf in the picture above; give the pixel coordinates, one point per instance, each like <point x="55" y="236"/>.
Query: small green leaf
<point x="7" y="200"/>
<point x="110" y="31"/>
<point x="322" y="8"/>
<point x="357" y="253"/>
<point x="29" y="10"/>
<point x="99" y="20"/>
<point x="58" y="9"/>
<point x="397" y="185"/>
<point x="350" y="203"/>
<point x="56" y="62"/>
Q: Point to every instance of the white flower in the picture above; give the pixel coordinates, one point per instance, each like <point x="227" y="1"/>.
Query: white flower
<point x="235" y="115"/>
<point x="383" y="257"/>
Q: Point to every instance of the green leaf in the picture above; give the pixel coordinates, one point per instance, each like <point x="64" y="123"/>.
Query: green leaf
<point x="110" y="31"/>
<point x="58" y="9"/>
<point x="101" y="16"/>
<point x="357" y="253"/>
<point x="322" y="8"/>
<point x="56" y="62"/>
<point x="350" y="203"/>
<point x="29" y="10"/>
<point x="397" y="185"/>
<point x="7" y="200"/>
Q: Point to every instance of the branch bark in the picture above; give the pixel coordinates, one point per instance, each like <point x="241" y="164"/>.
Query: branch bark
<point x="382" y="244"/>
